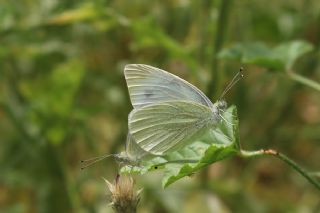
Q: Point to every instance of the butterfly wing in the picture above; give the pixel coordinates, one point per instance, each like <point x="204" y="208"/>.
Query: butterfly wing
<point x="165" y="127"/>
<point x="149" y="85"/>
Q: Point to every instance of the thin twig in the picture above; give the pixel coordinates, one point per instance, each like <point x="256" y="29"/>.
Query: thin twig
<point x="284" y="158"/>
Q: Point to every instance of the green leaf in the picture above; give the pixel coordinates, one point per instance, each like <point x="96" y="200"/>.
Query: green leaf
<point x="281" y="57"/>
<point x="212" y="154"/>
<point x="219" y="143"/>
<point x="289" y="52"/>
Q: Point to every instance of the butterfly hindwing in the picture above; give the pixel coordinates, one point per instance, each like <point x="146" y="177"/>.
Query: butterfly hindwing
<point x="164" y="127"/>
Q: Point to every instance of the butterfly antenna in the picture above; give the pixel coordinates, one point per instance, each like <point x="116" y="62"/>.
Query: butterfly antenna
<point x="91" y="161"/>
<point x="234" y="80"/>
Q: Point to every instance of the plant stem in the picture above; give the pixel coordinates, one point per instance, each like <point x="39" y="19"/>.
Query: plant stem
<point x="294" y="165"/>
<point x="303" y="80"/>
<point x="222" y="23"/>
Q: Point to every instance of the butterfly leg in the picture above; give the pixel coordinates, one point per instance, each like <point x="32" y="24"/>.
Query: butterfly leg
<point x="228" y="113"/>
<point x="232" y="124"/>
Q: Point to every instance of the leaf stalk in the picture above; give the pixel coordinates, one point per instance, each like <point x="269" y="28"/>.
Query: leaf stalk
<point x="303" y="80"/>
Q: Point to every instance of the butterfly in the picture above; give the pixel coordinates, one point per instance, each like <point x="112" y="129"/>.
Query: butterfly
<point x="169" y="113"/>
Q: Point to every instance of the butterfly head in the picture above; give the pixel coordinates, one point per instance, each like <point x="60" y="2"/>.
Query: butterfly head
<point x="221" y="106"/>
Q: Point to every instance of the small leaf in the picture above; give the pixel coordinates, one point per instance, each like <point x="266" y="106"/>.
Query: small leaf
<point x="213" y="154"/>
<point x="281" y="57"/>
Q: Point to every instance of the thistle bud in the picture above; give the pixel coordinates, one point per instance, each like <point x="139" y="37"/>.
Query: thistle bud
<point x="124" y="198"/>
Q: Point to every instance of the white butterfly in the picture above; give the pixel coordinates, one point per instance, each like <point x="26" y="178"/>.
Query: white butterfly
<point x="169" y="112"/>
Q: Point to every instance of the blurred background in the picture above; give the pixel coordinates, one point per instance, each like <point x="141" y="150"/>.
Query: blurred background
<point x="63" y="99"/>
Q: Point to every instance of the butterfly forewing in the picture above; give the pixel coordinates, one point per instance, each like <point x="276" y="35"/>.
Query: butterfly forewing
<point x="165" y="127"/>
<point x="150" y="85"/>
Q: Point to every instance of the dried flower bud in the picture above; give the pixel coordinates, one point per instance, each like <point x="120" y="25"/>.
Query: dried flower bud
<point x="124" y="199"/>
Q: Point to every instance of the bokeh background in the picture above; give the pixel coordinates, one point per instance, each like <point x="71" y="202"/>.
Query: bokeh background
<point x="64" y="99"/>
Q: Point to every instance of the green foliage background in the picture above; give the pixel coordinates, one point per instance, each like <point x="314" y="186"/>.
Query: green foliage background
<point x="63" y="99"/>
